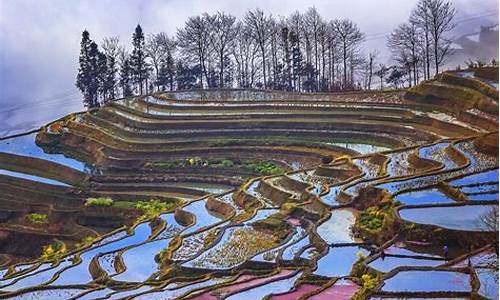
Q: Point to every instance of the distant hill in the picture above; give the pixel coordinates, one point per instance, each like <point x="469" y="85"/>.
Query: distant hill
<point x="482" y="45"/>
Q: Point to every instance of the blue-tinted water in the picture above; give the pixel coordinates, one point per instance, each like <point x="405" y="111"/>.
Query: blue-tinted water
<point x="293" y="249"/>
<point x="489" y="282"/>
<point x="483" y="196"/>
<point x="80" y="273"/>
<point x="140" y="261"/>
<point x="427" y="281"/>
<point x="480" y="188"/>
<point x="391" y="262"/>
<point x="25" y="145"/>
<point x="337" y="229"/>
<point x="203" y="216"/>
<point x="431" y="196"/>
<point x="32" y="177"/>
<point x="488" y="176"/>
<point x="437" y="153"/>
<point x="338" y="261"/>
<point x="260" y="292"/>
<point x="466" y="217"/>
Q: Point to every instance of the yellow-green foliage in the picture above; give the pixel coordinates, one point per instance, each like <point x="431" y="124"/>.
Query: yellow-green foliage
<point x="372" y="219"/>
<point x="154" y="208"/>
<point x="37" y="218"/>
<point x="101" y="201"/>
<point x="369" y="281"/>
<point x="86" y="241"/>
<point x="53" y="251"/>
<point x="265" y="168"/>
<point x="361" y="256"/>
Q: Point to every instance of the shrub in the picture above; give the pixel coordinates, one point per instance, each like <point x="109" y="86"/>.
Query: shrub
<point x="265" y="168"/>
<point x="227" y="163"/>
<point x="101" y="201"/>
<point x="369" y="281"/>
<point x="153" y="207"/>
<point x="53" y="251"/>
<point x="37" y="218"/>
<point x="86" y="241"/>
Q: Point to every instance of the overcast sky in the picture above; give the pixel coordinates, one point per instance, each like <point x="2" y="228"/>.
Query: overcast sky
<point x="39" y="39"/>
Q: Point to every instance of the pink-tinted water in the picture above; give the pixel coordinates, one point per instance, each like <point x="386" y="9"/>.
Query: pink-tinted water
<point x="240" y="285"/>
<point x="303" y="289"/>
<point x="344" y="290"/>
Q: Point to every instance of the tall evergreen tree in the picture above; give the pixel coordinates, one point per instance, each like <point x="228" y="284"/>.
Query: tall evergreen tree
<point x="83" y="77"/>
<point x="110" y="78"/>
<point x="162" y="79"/>
<point x="102" y="70"/>
<point x="126" y="78"/>
<point x="138" y="59"/>
<point x="296" y="60"/>
<point x="93" y="71"/>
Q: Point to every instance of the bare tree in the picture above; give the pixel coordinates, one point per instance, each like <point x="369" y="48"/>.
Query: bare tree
<point x="349" y="37"/>
<point x="111" y="48"/>
<point x="194" y="40"/>
<point x="371" y="59"/>
<point x="258" y="25"/>
<point x="382" y="73"/>
<point x="420" y="17"/>
<point x="404" y="44"/>
<point x="222" y="31"/>
<point x="314" y="24"/>
<point x="435" y="18"/>
<point x="158" y="47"/>
<point x="244" y="51"/>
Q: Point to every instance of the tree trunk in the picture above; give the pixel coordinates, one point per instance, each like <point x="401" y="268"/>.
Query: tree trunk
<point x="345" y="65"/>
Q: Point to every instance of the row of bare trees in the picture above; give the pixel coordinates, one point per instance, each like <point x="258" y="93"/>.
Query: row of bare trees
<point x="421" y="45"/>
<point x="301" y="52"/>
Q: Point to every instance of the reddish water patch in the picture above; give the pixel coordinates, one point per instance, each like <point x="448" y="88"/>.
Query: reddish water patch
<point x="243" y="282"/>
<point x="343" y="290"/>
<point x="303" y="289"/>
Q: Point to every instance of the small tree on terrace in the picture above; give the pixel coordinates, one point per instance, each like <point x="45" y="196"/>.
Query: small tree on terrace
<point x="382" y="73"/>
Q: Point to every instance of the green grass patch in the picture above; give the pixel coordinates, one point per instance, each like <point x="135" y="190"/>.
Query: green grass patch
<point x="101" y="201"/>
<point x="153" y="208"/>
<point x="265" y="168"/>
<point x="37" y="218"/>
<point x="124" y="204"/>
<point x="254" y="167"/>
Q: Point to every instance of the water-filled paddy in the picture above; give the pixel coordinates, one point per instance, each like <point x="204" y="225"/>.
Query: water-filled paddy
<point x="339" y="260"/>
<point x="388" y="263"/>
<point x="267" y="289"/>
<point x="466" y="217"/>
<point x="343" y="289"/>
<point x="431" y="196"/>
<point x="25" y="145"/>
<point x="488" y="279"/>
<point x="488" y="176"/>
<point x="411" y="281"/>
<point x="32" y="177"/>
<point x="80" y="273"/>
<point x="140" y="261"/>
<point x="337" y="229"/>
<point x="203" y="216"/>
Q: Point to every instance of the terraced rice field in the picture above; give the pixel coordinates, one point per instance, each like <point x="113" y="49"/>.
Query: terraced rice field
<point x="265" y="194"/>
